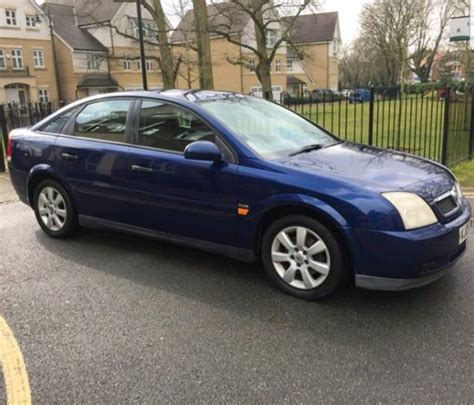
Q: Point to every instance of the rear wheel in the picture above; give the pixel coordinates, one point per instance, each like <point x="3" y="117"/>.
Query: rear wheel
<point x="54" y="210"/>
<point x="302" y="257"/>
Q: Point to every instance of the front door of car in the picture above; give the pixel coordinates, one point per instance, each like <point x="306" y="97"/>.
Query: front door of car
<point x="175" y="195"/>
<point x="93" y="155"/>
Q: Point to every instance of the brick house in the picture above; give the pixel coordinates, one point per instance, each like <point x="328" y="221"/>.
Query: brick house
<point x="98" y="49"/>
<point x="308" y="61"/>
<point x="27" y="71"/>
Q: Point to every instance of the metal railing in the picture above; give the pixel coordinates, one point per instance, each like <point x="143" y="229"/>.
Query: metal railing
<point x="16" y="115"/>
<point x="428" y="121"/>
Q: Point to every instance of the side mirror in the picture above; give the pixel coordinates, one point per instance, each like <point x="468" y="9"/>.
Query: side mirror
<point x="203" y="150"/>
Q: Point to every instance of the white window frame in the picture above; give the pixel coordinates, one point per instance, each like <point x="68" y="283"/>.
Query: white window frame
<point x="149" y="30"/>
<point x="271" y="38"/>
<point x="127" y="63"/>
<point x="17" y="59"/>
<point x="30" y="21"/>
<point x="10" y="17"/>
<point x="289" y="65"/>
<point x="149" y="65"/>
<point x="135" y="29"/>
<point x="252" y="65"/>
<point x="93" y="62"/>
<point x="277" y="65"/>
<point x="43" y="95"/>
<point x="3" y="60"/>
<point x="38" y="58"/>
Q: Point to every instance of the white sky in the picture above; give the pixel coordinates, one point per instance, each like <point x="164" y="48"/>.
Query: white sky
<point x="349" y="11"/>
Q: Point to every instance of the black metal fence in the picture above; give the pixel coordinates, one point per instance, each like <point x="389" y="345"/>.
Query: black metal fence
<point x="428" y="121"/>
<point x="16" y="115"/>
<point x="433" y="122"/>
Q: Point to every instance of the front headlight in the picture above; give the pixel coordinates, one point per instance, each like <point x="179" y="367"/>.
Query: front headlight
<point x="413" y="210"/>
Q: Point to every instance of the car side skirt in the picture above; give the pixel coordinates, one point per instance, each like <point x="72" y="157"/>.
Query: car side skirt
<point x="244" y="255"/>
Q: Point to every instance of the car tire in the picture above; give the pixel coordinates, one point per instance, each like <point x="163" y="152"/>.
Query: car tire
<point x="54" y="210"/>
<point x="301" y="272"/>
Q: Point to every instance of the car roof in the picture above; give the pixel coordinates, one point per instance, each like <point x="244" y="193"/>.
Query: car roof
<point x="192" y="96"/>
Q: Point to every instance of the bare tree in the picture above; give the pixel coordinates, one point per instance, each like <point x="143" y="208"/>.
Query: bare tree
<point x="390" y="25"/>
<point x="357" y="66"/>
<point x="188" y="48"/>
<point x="265" y="39"/>
<point x="431" y="27"/>
<point x="203" y="45"/>
<point x="168" y="65"/>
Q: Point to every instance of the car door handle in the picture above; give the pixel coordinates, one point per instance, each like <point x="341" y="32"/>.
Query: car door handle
<point x="141" y="169"/>
<point x="68" y="156"/>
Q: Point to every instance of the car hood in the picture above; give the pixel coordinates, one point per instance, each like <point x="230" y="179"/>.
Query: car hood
<point x="378" y="169"/>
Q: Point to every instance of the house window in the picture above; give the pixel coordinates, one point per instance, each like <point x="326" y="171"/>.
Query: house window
<point x="127" y="63"/>
<point x="10" y="16"/>
<point x="139" y="65"/>
<point x="43" y="95"/>
<point x="289" y="65"/>
<point x="149" y="64"/>
<point x="17" y="58"/>
<point x="2" y="59"/>
<point x="38" y="58"/>
<point x="277" y="65"/>
<point x="31" y="21"/>
<point x="334" y="47"/>
<point x="251" y="65"/>
<point x="149" y="30"/>
<point x="271" y="38"/>
<point x="93" y="62"/>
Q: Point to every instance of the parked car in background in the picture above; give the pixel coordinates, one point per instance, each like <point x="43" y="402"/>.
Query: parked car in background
<point x="359" y="96"/>
<point x="325" y="95"/>
<point x="247" y="178"/>
<point x="345" y="93"/>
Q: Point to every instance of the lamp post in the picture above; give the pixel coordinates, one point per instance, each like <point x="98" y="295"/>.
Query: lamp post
<point x="142" y="45"/>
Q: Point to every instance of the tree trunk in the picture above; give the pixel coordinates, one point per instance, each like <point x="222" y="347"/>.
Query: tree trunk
<point x="264" y="64"/>
<point x="265" y="78"/>
<point x="203" y="44"/>
<point x="167" y="64"/>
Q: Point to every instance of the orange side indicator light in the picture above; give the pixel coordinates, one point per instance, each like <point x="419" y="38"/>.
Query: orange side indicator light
<point x="243" y="210"/>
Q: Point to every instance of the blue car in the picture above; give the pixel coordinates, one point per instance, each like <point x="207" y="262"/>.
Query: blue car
<point x="246" y="178"/>
<point x="359" y="96"/>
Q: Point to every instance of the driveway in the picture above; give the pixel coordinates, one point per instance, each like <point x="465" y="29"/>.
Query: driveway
<point x="111" y="318"/>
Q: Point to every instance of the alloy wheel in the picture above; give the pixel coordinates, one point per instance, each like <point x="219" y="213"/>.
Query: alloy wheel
<point x="300" y="257"/>
<point x="52" y="208"/>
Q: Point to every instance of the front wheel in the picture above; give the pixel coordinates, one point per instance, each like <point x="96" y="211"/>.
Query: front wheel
<point x="302" y="257"/>
<point x="54" y="210"/>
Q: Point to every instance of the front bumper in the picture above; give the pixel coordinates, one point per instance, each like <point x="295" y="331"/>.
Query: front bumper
<point x="408" y="259"/>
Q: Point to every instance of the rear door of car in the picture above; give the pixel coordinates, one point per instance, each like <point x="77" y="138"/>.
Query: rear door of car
<point x="175" y="195"/>
<point x="93" y="154"/>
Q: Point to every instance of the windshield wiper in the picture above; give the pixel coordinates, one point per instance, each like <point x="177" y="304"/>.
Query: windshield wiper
<point x="307" y="148"/>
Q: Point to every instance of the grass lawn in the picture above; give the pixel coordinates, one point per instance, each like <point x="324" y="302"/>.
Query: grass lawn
<point x="465" y="173"/>
<point x="414" y="124"/>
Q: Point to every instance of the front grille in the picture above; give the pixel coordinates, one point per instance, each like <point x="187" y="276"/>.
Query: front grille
<point x="447" y="205"/>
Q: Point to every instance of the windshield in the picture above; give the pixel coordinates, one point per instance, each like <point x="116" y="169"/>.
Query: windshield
<point x="267" y="128"/>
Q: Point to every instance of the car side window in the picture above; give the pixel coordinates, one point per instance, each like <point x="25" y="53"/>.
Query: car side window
<point x="55" y="125"/>
<point x="105" y="120"/>
<point x="168" y="127"/>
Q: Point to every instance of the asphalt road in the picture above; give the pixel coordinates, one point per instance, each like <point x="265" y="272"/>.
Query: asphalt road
<point x="110" y="318"/>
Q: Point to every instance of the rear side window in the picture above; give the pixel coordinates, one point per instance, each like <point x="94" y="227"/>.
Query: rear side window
<point x="55" y="125"/>
<point x="168" y="127"/>
<point x="105" y="120"/>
